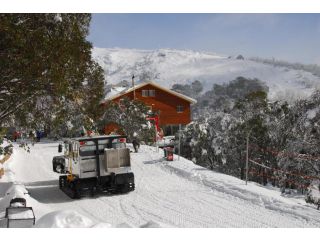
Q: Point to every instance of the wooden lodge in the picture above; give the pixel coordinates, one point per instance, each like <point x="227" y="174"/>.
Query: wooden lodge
<point x="170" y="107"/>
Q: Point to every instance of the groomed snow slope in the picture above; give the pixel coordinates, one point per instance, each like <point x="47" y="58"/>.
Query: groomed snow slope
<point x="176" y="66"/>
<point x="168" y="194"/>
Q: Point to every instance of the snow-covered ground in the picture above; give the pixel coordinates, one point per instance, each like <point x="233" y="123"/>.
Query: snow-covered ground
<point x="167" y="194"/>
<point x="169" y="66"/>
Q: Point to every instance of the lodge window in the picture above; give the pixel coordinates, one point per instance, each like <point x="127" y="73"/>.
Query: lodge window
<point x="179" y="109"/>
<point x="152" y="93"/>
<point x="148" y="93"/>
<point x="145" y="93"/>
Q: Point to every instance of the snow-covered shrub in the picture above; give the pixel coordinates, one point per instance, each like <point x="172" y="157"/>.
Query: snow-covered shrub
<point x="313" y="193"/>
<point x="1" y="169"/>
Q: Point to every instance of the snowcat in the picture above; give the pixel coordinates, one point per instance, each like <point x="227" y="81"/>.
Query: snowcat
<point x="94" y="164"/>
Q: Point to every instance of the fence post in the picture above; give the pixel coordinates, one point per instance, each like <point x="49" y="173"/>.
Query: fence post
<point x="179" y="141"/>
<point x="247" y="159"/>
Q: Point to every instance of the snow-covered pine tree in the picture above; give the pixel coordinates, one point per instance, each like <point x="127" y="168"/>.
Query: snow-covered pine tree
<point x="131" y="116"/>
<point x="250" y="113"/>
<point x="46" y="65"/>
<point x="300" y="158"/>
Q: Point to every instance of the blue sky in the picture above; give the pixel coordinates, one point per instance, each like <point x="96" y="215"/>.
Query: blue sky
<point x="292" y="37"/>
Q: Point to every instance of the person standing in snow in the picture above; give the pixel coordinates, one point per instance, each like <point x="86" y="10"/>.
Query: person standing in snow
<point x="32" y="137"/>
<point x="135" y="142"/>
<point x="15" y="136"/>
<point x="38" y="136"/>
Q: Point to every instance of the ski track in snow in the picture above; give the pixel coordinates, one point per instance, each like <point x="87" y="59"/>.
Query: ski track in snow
<point x="173" y="194"/>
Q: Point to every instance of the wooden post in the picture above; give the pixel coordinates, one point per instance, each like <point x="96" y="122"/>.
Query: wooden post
<point x="156" y="143"/>
<point x="179" y="141"/>
<point x="247" y="159"/>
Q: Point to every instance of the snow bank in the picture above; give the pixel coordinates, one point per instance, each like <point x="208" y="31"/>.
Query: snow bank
<point x="16" y="191"/>
<point x="74" y="219"/>
<point x="64" y="219"/>
<point x="153" y="224"/>
<point x="313" y="194"/>
<point x="229" y="184"/>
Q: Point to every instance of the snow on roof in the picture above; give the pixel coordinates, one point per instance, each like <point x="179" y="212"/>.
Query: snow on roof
<point x="114" y="91"/>
<point x="191" y="100"/>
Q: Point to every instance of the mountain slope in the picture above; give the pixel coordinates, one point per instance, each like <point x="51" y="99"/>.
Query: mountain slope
<point x="169" y="67"/>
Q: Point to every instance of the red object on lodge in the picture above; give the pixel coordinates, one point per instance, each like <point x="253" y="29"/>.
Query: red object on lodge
<point x="89" y="132"/>
<point x="156" y="121"/>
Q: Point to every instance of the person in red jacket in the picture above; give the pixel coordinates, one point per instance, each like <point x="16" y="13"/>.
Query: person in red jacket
<point x="16" y="135"/>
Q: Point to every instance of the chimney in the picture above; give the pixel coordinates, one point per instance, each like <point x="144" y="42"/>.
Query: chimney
<point x="134" y="91"/>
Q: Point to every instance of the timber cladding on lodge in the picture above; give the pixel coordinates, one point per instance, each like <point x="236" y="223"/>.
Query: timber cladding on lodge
<point x="171" y="109"/>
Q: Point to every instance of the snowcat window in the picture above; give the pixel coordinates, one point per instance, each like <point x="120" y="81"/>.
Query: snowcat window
<point x="75" y="147"/>
<point x="104" y="143"/>
<point x="73" y="150"/>
<point x="118" y="145"/>
<point x="89" y="147"/>
<point x="66" y="149"/>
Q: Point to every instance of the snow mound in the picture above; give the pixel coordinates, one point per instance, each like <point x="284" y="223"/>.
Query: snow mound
<point x="102" y="225"/>
<point x="151" y="224"/>
<point x="74" y="219"/>
<point x="124" y="225"/>
<point x="16" y="191"/>
<point x="64" y="219"/>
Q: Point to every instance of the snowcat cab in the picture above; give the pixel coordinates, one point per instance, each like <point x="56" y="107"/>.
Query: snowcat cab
<point x="91" y="164"/>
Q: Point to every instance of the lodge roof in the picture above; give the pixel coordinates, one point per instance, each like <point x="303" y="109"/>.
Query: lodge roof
<point x="179" y="95"/>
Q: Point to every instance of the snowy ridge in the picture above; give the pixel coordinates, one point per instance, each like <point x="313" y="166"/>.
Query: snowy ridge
<point x="168" y="67"/>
